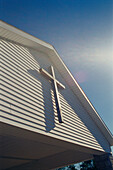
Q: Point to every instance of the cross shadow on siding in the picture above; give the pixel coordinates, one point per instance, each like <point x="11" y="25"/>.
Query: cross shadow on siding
<point x="43" y="96"/>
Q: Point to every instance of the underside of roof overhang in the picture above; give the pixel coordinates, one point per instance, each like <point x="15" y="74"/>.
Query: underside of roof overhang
<point x="22" y="148"/>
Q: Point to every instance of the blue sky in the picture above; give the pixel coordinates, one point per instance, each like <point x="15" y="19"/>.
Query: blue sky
<point x="82" y="33"/>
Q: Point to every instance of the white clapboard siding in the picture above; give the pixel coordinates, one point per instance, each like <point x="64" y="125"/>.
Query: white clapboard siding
<point x="27" y="98"/>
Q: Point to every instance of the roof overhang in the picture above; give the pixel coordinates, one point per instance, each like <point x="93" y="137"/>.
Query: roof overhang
<point x="21" y="147"/>
<point x="16" y="35"/>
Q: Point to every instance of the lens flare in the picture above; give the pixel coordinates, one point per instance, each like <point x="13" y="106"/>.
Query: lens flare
<point x="81" y="76"/>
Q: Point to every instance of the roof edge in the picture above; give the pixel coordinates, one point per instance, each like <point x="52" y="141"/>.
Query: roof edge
<point x="24" y="34"/>
<point x="94" y="114"/>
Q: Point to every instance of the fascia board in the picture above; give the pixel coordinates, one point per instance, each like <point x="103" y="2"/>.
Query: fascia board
<point x="77" y="90"/>
<point x="24" y="34"/>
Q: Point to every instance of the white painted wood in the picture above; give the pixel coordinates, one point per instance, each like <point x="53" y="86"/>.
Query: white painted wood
<point x="28" y="99"/>
<point x="19" y="37"/>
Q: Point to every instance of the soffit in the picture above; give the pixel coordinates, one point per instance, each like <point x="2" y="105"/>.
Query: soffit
<point x="20" y="37"/>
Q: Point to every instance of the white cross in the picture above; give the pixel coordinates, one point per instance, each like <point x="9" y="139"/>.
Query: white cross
<point x="56" y="84"/>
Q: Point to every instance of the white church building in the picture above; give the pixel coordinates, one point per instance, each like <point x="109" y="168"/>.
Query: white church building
<point x="46" y="120"/>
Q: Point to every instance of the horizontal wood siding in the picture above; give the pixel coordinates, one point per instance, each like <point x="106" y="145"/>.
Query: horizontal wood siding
<point x="27" y="99"/>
